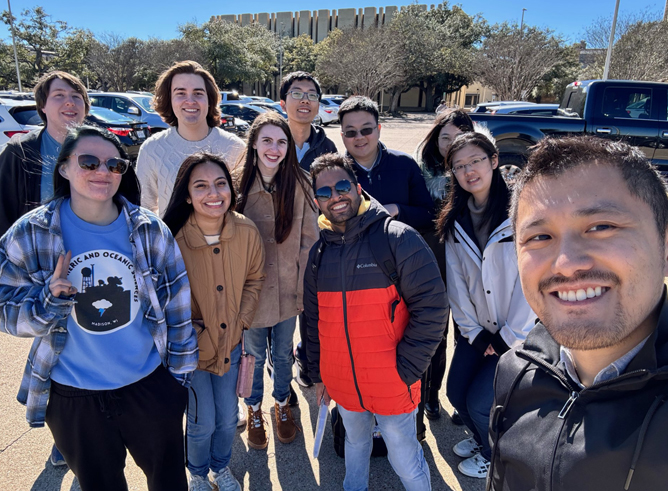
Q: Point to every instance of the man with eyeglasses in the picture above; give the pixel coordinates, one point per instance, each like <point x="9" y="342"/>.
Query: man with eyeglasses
<point x="371" y="335"/>
<point x="300" y="98"/>
<point x="392" y="177"/>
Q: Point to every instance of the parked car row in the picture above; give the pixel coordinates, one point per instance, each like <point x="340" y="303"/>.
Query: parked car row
<point x="130" y="115"/>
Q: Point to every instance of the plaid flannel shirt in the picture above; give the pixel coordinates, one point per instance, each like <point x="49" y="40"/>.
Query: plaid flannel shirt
<point x="29" y="253"/>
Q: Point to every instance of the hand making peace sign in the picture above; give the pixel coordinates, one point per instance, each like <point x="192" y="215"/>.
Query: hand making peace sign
<point x="59" y="283"/>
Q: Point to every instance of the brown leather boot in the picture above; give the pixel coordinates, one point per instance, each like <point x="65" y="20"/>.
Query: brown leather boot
<point x="257" y="433"/>
<point x="286" y="428"/>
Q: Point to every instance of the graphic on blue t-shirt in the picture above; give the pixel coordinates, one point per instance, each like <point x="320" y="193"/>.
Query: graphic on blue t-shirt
<point x="107" y="298"/>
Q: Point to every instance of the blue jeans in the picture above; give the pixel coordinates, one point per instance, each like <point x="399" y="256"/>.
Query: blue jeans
<point x="403" y="449"/>
<point x="212" y="420"/>
<point x="281" y="354"/>
<point x="470" y="389"/>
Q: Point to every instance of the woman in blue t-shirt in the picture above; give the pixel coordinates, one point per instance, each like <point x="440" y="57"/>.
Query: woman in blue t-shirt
<point x="100" y="284"/>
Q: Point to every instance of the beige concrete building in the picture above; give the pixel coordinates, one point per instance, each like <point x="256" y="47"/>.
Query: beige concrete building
<point x="319" y="23"/>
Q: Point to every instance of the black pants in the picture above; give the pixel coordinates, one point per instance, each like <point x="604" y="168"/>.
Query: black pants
<point x="93" y="429"/>
<point x="438" y="360"/>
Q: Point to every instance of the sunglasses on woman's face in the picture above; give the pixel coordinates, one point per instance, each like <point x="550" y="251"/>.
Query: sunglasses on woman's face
<point x="91" y="162"/>
<point x="325" y="193"/>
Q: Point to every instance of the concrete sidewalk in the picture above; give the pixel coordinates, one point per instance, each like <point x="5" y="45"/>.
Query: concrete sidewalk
<point x="24" y="452"/>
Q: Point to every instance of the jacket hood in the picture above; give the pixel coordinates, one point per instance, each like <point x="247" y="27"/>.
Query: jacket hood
<point x="316" y="137"/>
<point x="369" y="212"/>
<point x="653" y="357"/>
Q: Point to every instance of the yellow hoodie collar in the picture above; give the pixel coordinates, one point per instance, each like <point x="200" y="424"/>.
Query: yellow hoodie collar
<point x="325" y="224"/>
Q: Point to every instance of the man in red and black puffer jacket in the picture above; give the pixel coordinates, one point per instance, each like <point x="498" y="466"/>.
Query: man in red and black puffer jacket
<point x="368" y="346"/>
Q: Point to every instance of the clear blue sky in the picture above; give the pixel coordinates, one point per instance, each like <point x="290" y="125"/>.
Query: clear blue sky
<point x="160" y="18"/>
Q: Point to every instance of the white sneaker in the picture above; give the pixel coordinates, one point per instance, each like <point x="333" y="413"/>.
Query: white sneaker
<point x="199" y="483"/>
<point x="476" y="466"/>
<point x="226" y="481"/>
<point x="242" y="417"/>
<point x="467" y="448"/>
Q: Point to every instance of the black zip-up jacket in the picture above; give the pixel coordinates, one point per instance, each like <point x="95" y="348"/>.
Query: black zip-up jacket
<point x="350" y="307"/>
<point x="548" y="434"/>
<point x="319" y="145"/>
<point x="21" y="183"/>
<point x="397" y="179"/>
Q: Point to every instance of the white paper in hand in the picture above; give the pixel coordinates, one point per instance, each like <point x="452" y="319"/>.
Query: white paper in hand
<point x="320" y="429"/>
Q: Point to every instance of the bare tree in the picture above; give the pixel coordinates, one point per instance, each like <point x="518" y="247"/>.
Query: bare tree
<point x="116" y="61"/>
<point x="640" y="48"/>
<point x="513" y="61"/>
<point x="364" y="61"/>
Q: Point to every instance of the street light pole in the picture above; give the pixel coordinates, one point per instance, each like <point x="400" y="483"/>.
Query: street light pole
<point x="608" y="57"/>
<point x="16" y="58"/>
<point x="522" y="23"/>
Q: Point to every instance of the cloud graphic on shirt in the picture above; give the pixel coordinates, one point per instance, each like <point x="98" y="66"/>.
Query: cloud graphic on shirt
<point x="102" y="305"/>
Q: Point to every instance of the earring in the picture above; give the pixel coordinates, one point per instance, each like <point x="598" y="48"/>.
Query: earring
<point x="189" y="201"/>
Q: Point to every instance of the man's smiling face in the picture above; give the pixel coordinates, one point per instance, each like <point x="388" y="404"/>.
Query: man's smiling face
<point x="591" y="259"/>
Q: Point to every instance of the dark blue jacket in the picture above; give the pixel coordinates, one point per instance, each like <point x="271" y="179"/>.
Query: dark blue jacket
<point x="397" y="179"/>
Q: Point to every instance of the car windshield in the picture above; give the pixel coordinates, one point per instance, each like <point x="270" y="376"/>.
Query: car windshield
<point x="145" y="102"/>
<point x="109" y="116"/>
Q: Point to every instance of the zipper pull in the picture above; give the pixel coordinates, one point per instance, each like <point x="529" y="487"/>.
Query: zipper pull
<point x="569" y="404"/>
<point x="343" y="239"/>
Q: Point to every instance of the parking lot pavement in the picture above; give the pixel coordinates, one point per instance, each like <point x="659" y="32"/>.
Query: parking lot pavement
<point x="24" y="452"/>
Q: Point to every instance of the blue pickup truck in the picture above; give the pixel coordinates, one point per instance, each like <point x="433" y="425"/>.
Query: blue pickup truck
<point x="630" y="111"/>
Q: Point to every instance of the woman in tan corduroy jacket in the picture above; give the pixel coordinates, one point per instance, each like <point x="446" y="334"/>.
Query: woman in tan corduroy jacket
<point x="276" y="194"/>
<point x="224" y="259"/>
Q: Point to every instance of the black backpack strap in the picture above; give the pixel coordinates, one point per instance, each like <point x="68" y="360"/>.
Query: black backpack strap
<point x="320" y="247"/>
<point x="379" y="239"/>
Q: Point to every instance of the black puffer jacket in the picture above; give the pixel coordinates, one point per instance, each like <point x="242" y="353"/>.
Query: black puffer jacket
<point x="21" y="183"/>
<point x="366" y="343"/>
<point x="319" y="145"/>
<point x="550" y="435"/>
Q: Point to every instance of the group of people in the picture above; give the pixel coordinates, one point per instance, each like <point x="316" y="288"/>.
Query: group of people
<point x="215" y="248"/>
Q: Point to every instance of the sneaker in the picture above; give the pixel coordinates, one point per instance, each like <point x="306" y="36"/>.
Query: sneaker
<point x="286" y="428"/>
<point x="467" y="448"/>
<point x="293" y="400"/>
<point x="226" y="481"/>
<point x="432" y="410"/>
<point x="301" y="378"/>
<point x="456" y="419"/>
<point x="241" y="417"/>
<point x="476" y="466"/>
<point x="56" y="458"/>
<point x="257" y="434"/>
<point x="199" y="483"/>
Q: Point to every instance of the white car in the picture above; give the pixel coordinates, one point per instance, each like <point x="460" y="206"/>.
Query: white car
<point x="329" y="113"/>
<point x="17" y="117"/>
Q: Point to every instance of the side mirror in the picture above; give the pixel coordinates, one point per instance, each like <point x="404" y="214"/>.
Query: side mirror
<point x="133" y="110"/>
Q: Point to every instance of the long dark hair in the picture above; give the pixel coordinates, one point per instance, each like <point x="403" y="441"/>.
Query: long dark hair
<point x="129" y="187"/>
<point x="178" y="210"/>
<point x="285" y="181"/>
<point x="496" y="209"/>
<point x="428" y="147"/>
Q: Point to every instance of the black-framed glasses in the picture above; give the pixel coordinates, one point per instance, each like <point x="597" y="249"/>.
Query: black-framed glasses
<point x="474" y="164"/>
<point x="353" y="133"/>
<point x="299" y="95"/>
<point x="91" y="162"/>
<point x="325" y="193"/>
